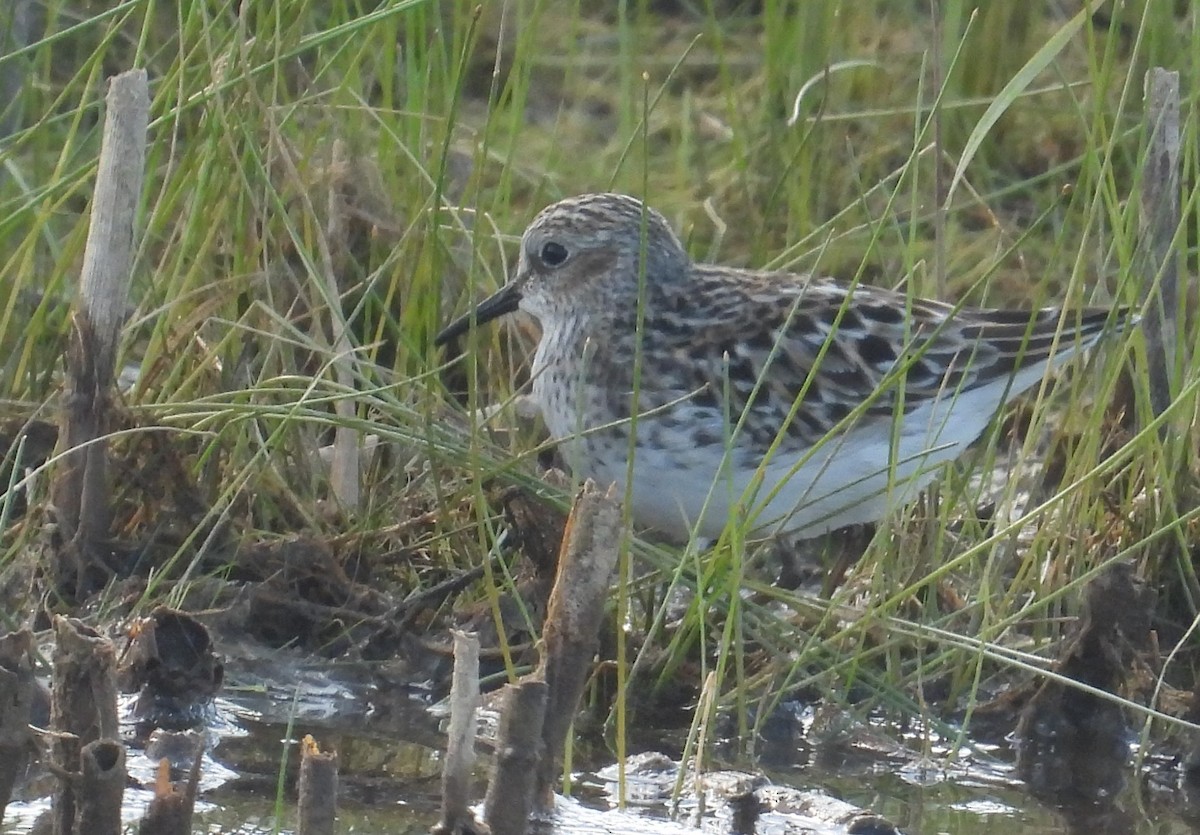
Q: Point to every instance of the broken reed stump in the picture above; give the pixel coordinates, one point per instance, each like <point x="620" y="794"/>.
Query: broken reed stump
<point x="591" y="546"/>
<point x="101" y="788"/>
<point x="80" y="489"/>
<point x="457" y="816"/>
<point x="519" y="752"/>
<point x="83" y="711"/>
<point x="540" y="708"/>
<point x="1072" y="744"/>
<point x="318" y="790"/>
<point x="1159" y="223"/>
<point x="170" y="812"/>
<point x="17" y="689"/>
<point x="172" y="666"/>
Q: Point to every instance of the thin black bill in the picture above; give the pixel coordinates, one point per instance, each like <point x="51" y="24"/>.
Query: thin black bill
<point x="504" y="300"/>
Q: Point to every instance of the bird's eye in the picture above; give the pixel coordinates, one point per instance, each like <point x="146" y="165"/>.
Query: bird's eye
<point x="553" y="253"/>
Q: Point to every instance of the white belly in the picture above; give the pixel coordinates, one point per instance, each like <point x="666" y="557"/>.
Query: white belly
<point x="854" y="477"/>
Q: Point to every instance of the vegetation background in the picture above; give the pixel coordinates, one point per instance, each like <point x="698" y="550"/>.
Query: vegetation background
<point x="328" y="182"/>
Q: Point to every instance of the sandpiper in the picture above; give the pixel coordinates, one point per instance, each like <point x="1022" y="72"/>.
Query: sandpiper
<point x="793" y="402"/>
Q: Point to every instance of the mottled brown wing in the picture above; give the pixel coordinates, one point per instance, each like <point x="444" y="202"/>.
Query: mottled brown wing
<point x="835" y="350"/>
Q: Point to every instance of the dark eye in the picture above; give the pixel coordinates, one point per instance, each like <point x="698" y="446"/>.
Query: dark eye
<point x="553" y="253"/>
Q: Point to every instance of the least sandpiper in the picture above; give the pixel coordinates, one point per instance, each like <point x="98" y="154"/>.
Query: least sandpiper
<point x="795" y="402"/>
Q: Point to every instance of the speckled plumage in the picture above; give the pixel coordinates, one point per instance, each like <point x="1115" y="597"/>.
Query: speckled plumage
<point x="809" y="404"/>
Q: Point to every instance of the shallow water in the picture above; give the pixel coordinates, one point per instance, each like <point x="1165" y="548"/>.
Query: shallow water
<point x="388" y="744"/>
